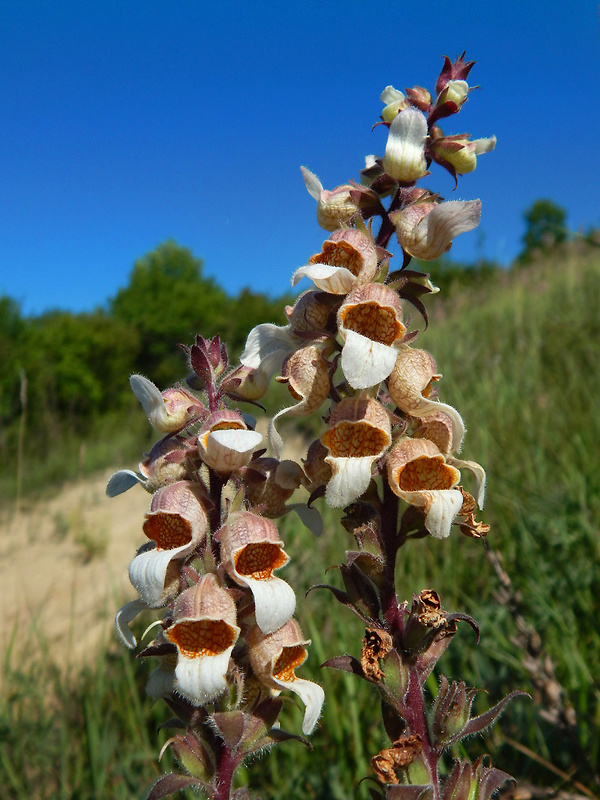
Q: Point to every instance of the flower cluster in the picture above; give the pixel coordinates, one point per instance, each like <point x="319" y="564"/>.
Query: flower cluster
<point x="227" y="642"/>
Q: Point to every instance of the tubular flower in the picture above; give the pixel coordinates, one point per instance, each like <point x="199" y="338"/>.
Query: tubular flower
<point x="359" y="434"/>
<point x="370" y="323"/>
<point x="410" y="385"/>
<point x="204" y="631"/>
<point x="268" y="345"/>
<point x="167" y="411"/>
<point x="165" y="464"/>
<point x="404" y="158"/>
<point x="437" y="428"/>
<point x="251" y="550"/>
<point x="426" y="228"/>
<point x="419" y="475"/>
<point x="306" y="374"/>
<point x="225" y="444"/>
<point x="335" y="208"/>
<point x="275" y="657"/>
<point x="348" y="258"/>
<point x="459" y="152"/>
<point x="177" y="524"/>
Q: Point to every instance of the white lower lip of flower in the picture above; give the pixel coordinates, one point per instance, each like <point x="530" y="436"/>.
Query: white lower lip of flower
<point x="312" y="695"/>
<point x="335" y="280"/>
<point x="152" y="401"/>
<point x="122" y="619"/>
<point x="274" y="601"/>
<point x="366" y="363"/>
<point x="148" y="570"/>
<point x="267" y="346"/>
<point x="441" y="507"/>
<point x="351" y="478"/>
<point x="229" y="449"/>
<point x="202" y="679"/>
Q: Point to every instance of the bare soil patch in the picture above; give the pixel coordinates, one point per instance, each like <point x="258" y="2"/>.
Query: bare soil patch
<point x="63" y="571"/>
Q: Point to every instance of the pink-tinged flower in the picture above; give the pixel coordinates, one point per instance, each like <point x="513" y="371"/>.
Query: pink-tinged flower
<point x="458" y="153"/>
<point x="176" y="524"/>
<point x="225" y="444"/>
<point x="394" y="101"/>
<point x="167" y="411"/>
<point x="419" y="475"/>
<point x="204" y="631"/>
<point x="359" y="434"/>
<point x="411" y="384"/>
<point x="370" y="324"/>
<point x="348" y="258"/>
<point x="426" y="228"/>
<point x="275" y="657"/>
<point x="306" y="374"/>
<point x="335" y="208"/>
<point x="404" y="158"/>
<point x="437" y="428"/>
<point x="166" y="463"/>
<point x="250" y="551"/>
<point x="268" y="345"/>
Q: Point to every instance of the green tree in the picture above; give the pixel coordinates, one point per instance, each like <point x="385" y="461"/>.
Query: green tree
<point x="545" y="226"/>
<point x="168" y="301"/>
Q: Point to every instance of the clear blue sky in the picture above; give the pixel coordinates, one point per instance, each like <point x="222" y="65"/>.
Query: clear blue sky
<point x="126" y="123"/>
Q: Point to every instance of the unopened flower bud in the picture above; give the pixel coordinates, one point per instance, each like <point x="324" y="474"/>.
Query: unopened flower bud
<point x="394" y="101"/>
<point x="404" y="158"/>
<point x="452" y="709"/>
<point x="225" y="444"/>
<point x="167" y="411"/>
<point x="335" y="208"/>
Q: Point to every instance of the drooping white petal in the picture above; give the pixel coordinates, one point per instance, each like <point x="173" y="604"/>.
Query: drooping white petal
<point x="148" y="570"/>
<point x="267" y="346"/>
<point x="312" y="183"/>
<point x="478" y="473"/>
<point x="274" y="602"/>
<point x="391" y="95"/>
<point x="351" y="477"/>
<point x="313" y="697"/>
<point x="122" y="619"/>
<point x="458" y="426"/>
<point x="202" y="679"/>
<point x="484" y="145"/>
<point x="441" y="507"/>
<point x="335" y="280"/>
<point x="309" y="517"/>
<point x="123" y="480"/>
<point x="445" y="223"/>
<point x="149" y="396"/>
<point x="404" y="157"/>
<point x="366" y="363"/>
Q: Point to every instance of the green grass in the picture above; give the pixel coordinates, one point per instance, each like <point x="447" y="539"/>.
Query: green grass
<point x="519" y="359"/>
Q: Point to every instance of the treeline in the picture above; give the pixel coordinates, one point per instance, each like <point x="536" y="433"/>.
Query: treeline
<point x="64" y="371"/>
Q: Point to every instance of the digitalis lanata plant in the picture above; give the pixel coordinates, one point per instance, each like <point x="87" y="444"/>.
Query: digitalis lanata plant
<point x="227" y="643"/>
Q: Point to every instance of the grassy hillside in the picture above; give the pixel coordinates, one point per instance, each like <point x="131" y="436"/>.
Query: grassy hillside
<point x="520" y="360"/>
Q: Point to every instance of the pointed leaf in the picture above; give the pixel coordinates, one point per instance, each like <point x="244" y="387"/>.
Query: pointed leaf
<point x="345" y="664"/>
<point x="169" y="784"/>
<point x="480" y="723"/>
<point x="491" y="781"/>
<point x="230" y="725"/>
<point x="408" y="792"/>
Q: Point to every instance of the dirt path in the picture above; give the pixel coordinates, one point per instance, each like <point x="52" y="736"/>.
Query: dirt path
<point x="63" y="570"/>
